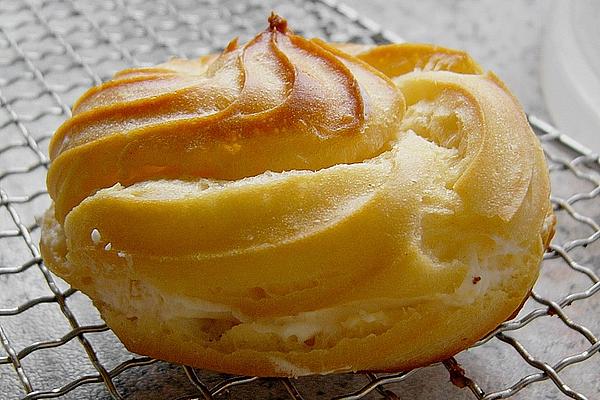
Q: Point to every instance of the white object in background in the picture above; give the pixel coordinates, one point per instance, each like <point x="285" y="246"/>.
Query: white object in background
<point x="570" y="69"/>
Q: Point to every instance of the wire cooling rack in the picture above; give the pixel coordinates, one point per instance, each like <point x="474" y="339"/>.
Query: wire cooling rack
<point x="53" y="342"/>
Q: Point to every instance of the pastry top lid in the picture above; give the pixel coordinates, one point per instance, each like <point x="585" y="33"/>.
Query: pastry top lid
<point x="281" y="102"/>
<point x="309" y="104"/>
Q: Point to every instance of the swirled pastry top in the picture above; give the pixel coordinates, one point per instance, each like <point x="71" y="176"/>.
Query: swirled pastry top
<point x="279" y="102"/>
<point x="291" y="206"/>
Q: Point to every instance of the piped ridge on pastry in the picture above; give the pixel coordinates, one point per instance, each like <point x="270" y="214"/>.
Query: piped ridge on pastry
<point x="279" y="102"/>
<point x="292" y="207"/>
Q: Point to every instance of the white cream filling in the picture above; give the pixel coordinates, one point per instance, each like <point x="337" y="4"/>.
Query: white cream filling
<point x="288" y="368"/>
<point x="140" y="298"/>
<point x="490" y="273"/>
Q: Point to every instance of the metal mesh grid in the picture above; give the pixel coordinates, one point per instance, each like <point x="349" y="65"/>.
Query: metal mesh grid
<point x="53" y="343"/>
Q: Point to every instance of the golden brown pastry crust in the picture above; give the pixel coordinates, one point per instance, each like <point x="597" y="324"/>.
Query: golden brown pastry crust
<point x="294" y="207"/>
<point x="279" y="102"/>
